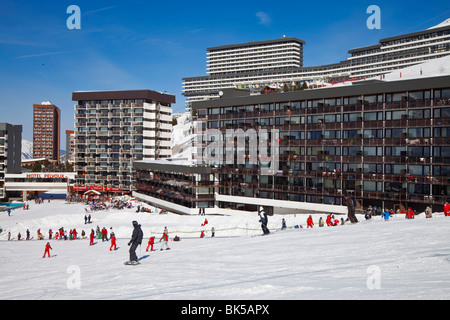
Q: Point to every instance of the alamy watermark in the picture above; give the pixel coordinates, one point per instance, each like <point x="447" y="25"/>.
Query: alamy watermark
<point x="374" y="21"/>
<point x="74" y="280"/>
<point x="374" y="277"/>
<point x="74" y="20"/>
<point x="250" y="147"/>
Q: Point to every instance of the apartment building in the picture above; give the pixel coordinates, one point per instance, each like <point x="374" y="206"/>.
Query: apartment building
<point x="385" y="143"/>
<point x="227" y="68"/>
<point x="46" y="131"/>
<point x="10" y="152"/>
<point x="115" y="128"/>
<point x="70" y="146"/>
<point x="257" y="55"/>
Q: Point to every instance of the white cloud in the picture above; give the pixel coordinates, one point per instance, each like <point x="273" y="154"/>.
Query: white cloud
<point x="264" y="18"/>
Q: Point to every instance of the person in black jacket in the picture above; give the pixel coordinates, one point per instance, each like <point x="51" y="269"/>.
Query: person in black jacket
<point x="264" y="221"/>
<point x="136" y="239"/>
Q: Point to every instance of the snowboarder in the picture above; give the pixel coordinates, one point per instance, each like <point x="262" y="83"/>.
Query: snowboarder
<point x="151" y="241"/>
<point x="263" y="219"/>
<point x="47" y="249"/>
<point x="204" y="223"/>
<point x="136" y="239"/>
<point x="165" y="240"/>
<point x="309" y="222"/>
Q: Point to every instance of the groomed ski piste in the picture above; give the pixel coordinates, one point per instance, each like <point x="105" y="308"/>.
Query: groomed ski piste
<point x="373" y="259"/>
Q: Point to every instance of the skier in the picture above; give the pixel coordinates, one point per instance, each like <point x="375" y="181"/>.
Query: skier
<point x="409" y="214"/>
<point x="165" y="240"/>
<point x="329" y="223"/>
<point x="28" y="234"/>
<point x="202" y="234"/>
<point x="213" y="232"/>
<point x="151" y="241"/>
<point x="386" y="215"/>
<point x="264" y="221"/>
<point x="50" y="233"/>
<point x="351" y="209"/>
<point x="310" y="222"/>
<point x="113" y="240"/>
<point x="47" y="249"/>
<point x="91" y="237"/>
<point x="447" y="209"/>
<point x="321" y="224"/>
<point x="283" y="224"/>
<point x="136" y="239"/>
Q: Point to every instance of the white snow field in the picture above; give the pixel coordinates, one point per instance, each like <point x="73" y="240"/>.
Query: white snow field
<point x="374" y="259"/>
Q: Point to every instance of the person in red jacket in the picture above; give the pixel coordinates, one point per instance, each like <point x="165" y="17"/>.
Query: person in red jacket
<point x="113" y="241"/>
<point x="91" y="237"/>
<point x="165" y="239"/>
<point x="151" y="241"/>
<point x="447" y="209"/>
<point x="309" y="222"/>
<point x="409" y="214"/>
<point x="47" y="250"/>
<point x="329" y="223"/>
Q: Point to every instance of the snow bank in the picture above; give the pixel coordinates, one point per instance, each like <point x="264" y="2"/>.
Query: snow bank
<point x="407" y="258"/>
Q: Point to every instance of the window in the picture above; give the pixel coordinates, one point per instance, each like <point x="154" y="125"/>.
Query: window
<point x="351" y="117"/>
<point x="373" y="116"/>
<point x="443" y="132"/>
<point x="373" y="151"/>
<point x="373" y="133"/>
<point x="419" y="132"/>
<point x="419" y="151"/>
<point x="313" y="134"/>
<point x="419" y="114"/>
<point x="351" y="134"/>
<point x="395" y="151"/>
<point x="441" y="151"/>
<point x="419" y="95"/>
<point x="351" y="100"/>
<point x="332" y="134"/>
<point x="394" y="133"/>
<point x="351" y="151"/>
<point x="395" y="115"/>
<point x="372" y="168"/>
<point x="331" y="118"/>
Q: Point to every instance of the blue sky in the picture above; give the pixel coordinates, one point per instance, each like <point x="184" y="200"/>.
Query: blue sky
<point x="154" y="44"/>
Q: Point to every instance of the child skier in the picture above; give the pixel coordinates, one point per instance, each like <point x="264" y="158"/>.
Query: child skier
<point x="386" y="215"/>
<point x="151" y="241"/>
<point x="113" y="240"/>
<point x="91" y="237"/>
<point x="47" y="249"/>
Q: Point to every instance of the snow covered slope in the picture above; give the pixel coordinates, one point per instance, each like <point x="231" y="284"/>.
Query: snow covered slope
<point x="374" y="259"/>
<point x="27" y="149"/>
<point x="182" y="135"/>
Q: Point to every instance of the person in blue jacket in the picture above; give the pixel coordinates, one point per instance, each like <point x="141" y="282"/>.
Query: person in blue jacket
<point x="386" y="215"/>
